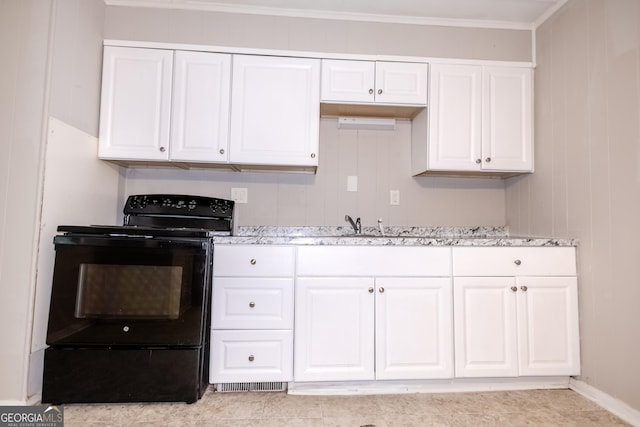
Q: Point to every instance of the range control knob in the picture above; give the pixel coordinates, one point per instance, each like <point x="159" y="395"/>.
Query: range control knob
<point x="192" y="204"/>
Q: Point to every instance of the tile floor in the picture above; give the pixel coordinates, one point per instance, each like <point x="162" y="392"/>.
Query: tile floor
<point x="502" y="408"/>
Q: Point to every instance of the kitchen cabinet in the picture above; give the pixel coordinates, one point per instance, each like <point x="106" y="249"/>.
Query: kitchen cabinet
<point x="252" y="314"/>
<point x="135" y="105"/>
<point x="357" y="309"/>
<point x="275" y="111"/>
<point x="161" y="105"/>
<point x="515" y="312"/>
<point x="479" y="121"/>
<point x="347" y="81"/>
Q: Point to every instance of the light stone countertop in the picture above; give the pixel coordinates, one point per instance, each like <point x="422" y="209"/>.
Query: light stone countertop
<point x="394" y="236"/>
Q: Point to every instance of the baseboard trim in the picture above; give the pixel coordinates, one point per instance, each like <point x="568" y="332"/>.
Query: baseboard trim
<point x="455" y="385"/>
<point x="608" y="402"/>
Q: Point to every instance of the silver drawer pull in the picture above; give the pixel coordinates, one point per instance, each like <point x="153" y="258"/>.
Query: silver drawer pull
<point x="381" y="290"/>
<point x="252" y="304"/>
<point x="253" y="261"/>
<point x="517" y="262"/>
<point x="514" y="289"/>
<point x="523" y="288"/>
<point x="251" y="358"/>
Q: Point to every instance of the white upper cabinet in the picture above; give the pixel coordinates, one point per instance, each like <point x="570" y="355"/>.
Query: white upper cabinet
<point x="200" y="107"/>
<point x="275" y="111"/>
<point x="346" y="81"/>
<point x="479" y="121"/>
<point x="136" y="104"/>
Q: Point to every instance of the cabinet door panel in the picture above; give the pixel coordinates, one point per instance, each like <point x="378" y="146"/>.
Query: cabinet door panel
<point x="485" y="327"/>
<point x="347" y="81"/>
<point x="401" y="83"/>
<point x="334" y="329"/>
<point x="414" y="328"/>
<point x="548" y="326"/>
<point x="507" y="130"/>
<point x="200" y="111"/>
<point x="275" y="111"/>
<point x="455" y="132"/>
<point x="135" y="104"/>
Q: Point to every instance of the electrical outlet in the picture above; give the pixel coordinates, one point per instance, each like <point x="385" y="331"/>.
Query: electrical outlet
<point x="352" y="183"/>
<point x="240" y="195"/>
<point x="394" y="197"/>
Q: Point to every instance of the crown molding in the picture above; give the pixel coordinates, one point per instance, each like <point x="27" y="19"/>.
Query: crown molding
<point x="320" y="14"/>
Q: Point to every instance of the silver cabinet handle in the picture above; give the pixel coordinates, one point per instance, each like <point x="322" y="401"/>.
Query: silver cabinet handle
<point x="514" y="289"/>
<point x="313" y="155"/>
<point x="162" y="149"/>
<point x="252" y="304"/>
<point x="517" y="262"/>
<point x="478" y="161"/>
<point x="488" y="160"/>
<point x="251" y="358"/>
<point x="222" y="151"/>
<point x="379" y="91"/>
<point x="381" y="290"/>
<point x="370" y="290"/>
<point x="253" y="261"/>
<point x="524" y="288"/>
<point x="370" y="91"/>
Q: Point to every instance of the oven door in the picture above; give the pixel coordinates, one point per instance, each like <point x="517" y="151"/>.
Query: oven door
<point x="140" y="291"/>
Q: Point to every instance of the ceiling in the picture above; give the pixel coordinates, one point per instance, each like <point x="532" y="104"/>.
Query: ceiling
<point x="517" y="14"/>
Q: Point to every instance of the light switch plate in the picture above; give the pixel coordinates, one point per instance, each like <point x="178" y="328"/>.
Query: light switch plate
<point x="352" y="183"/>
<point x="240" y="195"/>
<point x="394" y="197"/>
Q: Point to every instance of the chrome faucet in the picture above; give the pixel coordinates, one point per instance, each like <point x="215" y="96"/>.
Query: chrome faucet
<point x="357" y="226"/>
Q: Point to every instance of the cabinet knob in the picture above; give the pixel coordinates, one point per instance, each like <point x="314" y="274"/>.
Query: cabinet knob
<point x="381" y="290"/>
<point x="517" y="262"/>
<point x="370" y="91"/>
<point x="370" y="290"/>
<point x="514" y="289"/>
<point x="162" y="149"/>
<point x="379" y="91"/>
<point x="253" y="261"/>
<point x="313" y="155"/>
<point x="524" y="288"/>
<point x="251" y="358"/>
<point x="488" y="160"/>
<point x="222" y="151"/>
<point x="252" y="304"/>
<point x="478" y="161"/>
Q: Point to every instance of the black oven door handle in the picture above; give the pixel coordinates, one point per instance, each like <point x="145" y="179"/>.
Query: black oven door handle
<point x="131" y="242"/>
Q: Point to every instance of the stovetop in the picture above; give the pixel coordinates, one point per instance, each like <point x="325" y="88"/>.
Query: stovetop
<point x="138" y="231"/>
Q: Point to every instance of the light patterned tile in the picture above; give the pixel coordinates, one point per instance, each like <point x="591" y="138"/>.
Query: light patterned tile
<point x="431" y="420"/>
<point x="592" y="419"/>
<point x="415" y="404"/>
<point x="354" y="421"/>
<point x="350" y="406"/>
<point x="280" y="405"/>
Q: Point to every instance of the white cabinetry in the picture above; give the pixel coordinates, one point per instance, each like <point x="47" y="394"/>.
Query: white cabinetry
<point x="479" y="121"/>
<point x="144" y="116"/>
<point x="275" y="111"/>
<point x="136" y="104"/>
<point x="345" y="81"/>
<point x="252" y="314"/>
<point x="358" y="318"/>
<point x="515" y="312"/>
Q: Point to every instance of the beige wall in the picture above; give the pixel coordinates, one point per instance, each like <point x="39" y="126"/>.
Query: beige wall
<point x="380" y="159"/>
<point x="587" y="180"/>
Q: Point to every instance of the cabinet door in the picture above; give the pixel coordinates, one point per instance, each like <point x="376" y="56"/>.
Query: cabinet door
<point x="200" y="110"/>
<point x="548" y="326"/>
<point x="485" y="327"/>
<point x="348" y="81"/>
<point x="507" y="127"/>
<point x="334" y="329"/>
<point x="401" y="83"/>
<point x="135" y="104"/>
<point x="455" y="118"/>
<point x="414" y="328"/>
<point x="275" y="111"/>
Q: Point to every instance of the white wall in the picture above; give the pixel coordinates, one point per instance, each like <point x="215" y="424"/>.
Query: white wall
<point x="587" y="180"/>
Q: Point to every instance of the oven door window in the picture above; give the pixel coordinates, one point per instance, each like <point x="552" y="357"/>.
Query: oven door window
<point x="119" y="291"/>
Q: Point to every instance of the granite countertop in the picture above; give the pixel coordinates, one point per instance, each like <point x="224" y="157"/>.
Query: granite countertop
<point x="394" y="236"/>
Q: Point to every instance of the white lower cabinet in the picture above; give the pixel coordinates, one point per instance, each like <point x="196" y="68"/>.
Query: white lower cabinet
<point x="252" y="314"/>
<point x="521" y="321"/>
<point x="350" y="328"/>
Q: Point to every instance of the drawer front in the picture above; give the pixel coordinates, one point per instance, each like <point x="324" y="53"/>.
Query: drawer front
<point x="253" y="260"/>
<point x="376" y="261"/>
<point x="252" y="303"/>
<point x="514" y="261"/>
<point x="251" y="356"/>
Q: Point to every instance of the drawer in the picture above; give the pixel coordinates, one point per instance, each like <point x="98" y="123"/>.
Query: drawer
<point x="376" y="261"/>
<point x="514" y="261"/>
<point x="252" y="303"/>
<point x="251" y="356"/>
<point x="253" y="260"/>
